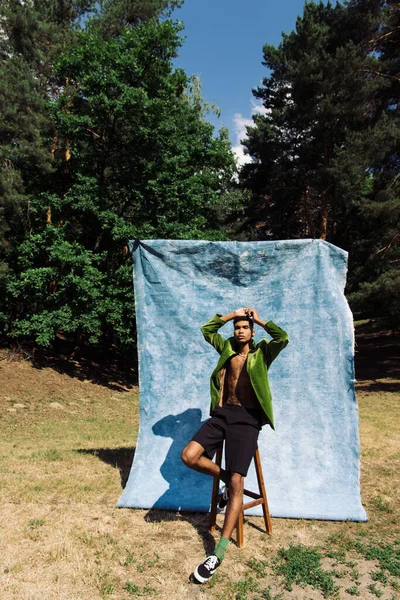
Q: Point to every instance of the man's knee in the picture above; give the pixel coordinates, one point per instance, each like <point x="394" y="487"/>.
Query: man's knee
<point x="189" y="455"/>
<point x="236" y="483"/>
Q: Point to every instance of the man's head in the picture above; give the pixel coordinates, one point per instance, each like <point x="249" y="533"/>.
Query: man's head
<point x="243" y="329"/>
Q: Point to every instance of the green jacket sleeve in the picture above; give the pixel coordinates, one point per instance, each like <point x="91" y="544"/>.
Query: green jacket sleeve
<point x="271" y="348"/>
<point x="211" y="335"/>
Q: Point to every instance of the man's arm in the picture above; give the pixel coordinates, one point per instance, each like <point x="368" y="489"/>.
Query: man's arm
<point x="280" y="338"/>
<point x="210" y="329"/>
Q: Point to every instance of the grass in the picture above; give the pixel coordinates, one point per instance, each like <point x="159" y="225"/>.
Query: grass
<point x="64" y="457"/>
<point x="302" y="566"/>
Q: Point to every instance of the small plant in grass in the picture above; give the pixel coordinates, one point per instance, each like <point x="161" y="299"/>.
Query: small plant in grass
<point x="243" y="587"/>
<point x="35" y="523"/>
<point x="258" y="566"/>
<point x="135" y="590"/>
<point x="107" y="589"/>
<point x="214" y="580"/>
<point x="354" y="574"/>
<point x="154" y="561"/>
<point x="148" y="590"/>
<point x="267" y="595"/>
<point x="338" y="555"/>
<point x="302" y="566"/>
<point x="395" y="585"/>
<point x="380" y="504"/>
<point x="341" y="541"/>
<point x="144" y="564"/>
<point x="338" y="574"/>
<point x="377" y="592"/>
<point x="109" y="539"/>
<point x="351" y="563"/>
<point x="380" y="576"/>
<point x="130" y="560"/>
<point x="106" y="586"/>
<point x="388" y="555"/>
<point x="132" y="588"/>
<point x="354" y="590"/>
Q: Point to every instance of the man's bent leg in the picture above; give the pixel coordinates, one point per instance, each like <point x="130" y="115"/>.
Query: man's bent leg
<point x="193" y="457"/>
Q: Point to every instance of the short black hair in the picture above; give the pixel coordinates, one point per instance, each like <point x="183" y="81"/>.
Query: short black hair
<point x="249" y="319"/>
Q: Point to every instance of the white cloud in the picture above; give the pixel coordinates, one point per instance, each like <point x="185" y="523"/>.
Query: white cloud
<point x="239" y="126"/>
<point x="258" y="108"/>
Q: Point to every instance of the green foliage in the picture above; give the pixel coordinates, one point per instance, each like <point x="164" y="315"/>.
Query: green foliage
<point x="354" y="590"/>
<point x="388" y="555"/>
<point x="380" y="504"/>
<point x="133" y="157"/>
<point x="376" y="591"/>
<point x="244" y="586"/>
<point x="136" y="590"/>
<point x="302" y="566"/>
<point x="258" y="566"/>
<point x="380" y="576"/>
<point x="267" y="595"/>
<point x="112" y="16"/>
<point x="326" y="153"/>
<point x="35" y="523"/>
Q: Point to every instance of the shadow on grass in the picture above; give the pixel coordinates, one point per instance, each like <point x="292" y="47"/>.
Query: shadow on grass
<point x="120" y="458"/>
<point x="102" y="364"/>
<point x="198" y="521"/>
<point x="376" y="359"/>
<point x="379" y="386"/>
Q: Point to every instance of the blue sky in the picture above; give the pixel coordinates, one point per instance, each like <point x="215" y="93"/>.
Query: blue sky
<point x="223" y="46"/>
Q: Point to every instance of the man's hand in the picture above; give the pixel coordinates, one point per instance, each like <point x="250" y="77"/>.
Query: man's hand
<point x="245" y="312"/>
<point x="239" y="312"/>
<point x="253" y="314"/>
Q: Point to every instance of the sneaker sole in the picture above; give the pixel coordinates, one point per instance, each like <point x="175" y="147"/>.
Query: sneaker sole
<point x="199" y="579"/>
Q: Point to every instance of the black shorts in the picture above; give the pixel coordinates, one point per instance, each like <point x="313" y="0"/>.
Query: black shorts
<point x="239" y="427"/>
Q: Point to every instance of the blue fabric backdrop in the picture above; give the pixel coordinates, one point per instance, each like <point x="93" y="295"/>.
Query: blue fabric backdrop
<point x="311" y="461"/>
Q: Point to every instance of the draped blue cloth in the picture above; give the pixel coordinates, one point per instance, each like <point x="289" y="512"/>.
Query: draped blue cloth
<point x="311" y="461"/>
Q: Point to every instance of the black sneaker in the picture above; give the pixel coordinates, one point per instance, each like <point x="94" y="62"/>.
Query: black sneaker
<point x="206" y="569"/>
<point x="223" y="501"/>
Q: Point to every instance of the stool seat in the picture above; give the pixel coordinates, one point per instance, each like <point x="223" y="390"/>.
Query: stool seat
<point x="258" y="498"/>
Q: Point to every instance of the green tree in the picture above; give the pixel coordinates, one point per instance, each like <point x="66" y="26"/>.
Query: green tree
<point x="31" y="35"/>
<point x="114" y="15"/>
<point x="330" y="129"/>
<point x="135" y="158"/>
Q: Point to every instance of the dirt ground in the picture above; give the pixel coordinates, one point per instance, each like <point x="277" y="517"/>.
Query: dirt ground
<point x="67" y="443"/>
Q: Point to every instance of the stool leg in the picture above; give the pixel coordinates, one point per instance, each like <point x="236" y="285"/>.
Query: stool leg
<point x="261" y="486"/>
<point x="214" y="497"/>
<point x="239" y="530"/>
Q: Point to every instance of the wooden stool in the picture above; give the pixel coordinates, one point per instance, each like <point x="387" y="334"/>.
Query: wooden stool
<point x="260" y="498"/>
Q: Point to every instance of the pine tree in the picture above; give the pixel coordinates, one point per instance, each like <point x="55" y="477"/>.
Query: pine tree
<point x="325" y="156"/>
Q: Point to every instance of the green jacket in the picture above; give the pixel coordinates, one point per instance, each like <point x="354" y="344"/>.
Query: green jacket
<point x="258" y="362"/>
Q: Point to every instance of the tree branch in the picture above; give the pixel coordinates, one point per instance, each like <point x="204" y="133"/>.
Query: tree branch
<point x="381" y="74"/>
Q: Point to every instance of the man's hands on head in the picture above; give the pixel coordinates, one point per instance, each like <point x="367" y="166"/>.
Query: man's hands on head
<point x="253" y="314"/>
<point x="239" y="312"/>
<point x="244" y="312"/>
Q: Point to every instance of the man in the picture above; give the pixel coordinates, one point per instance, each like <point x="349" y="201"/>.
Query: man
<point x="240" y="404"/>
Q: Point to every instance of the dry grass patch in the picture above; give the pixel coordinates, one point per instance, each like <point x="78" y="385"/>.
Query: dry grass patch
<point x="65" y="452"/>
